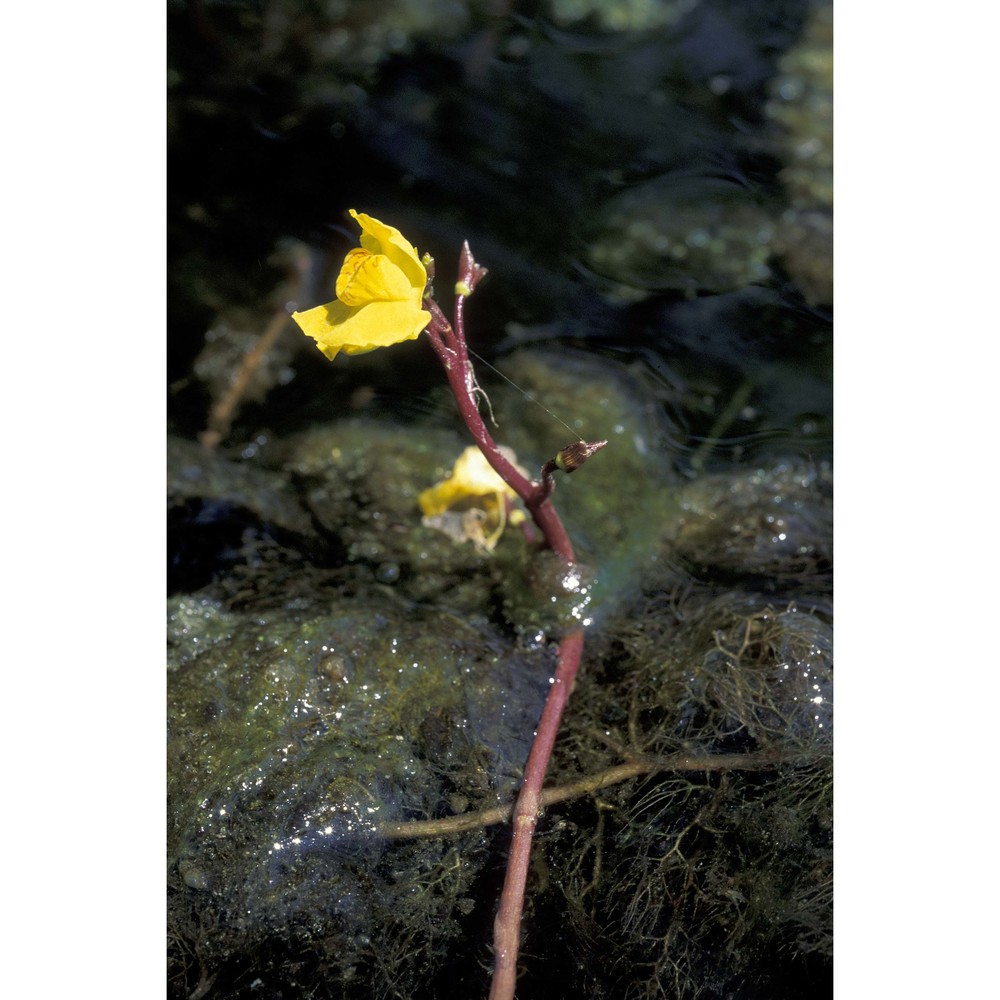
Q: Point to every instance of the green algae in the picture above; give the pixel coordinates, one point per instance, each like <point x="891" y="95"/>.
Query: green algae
<point x="694" y="882"/>
<point x="614" y="507"/>
<point x="369" y="670"/>
<point x="774" y="522"/>
<point x="297" y="735"/>
<point x="340" y="697"/>
<point x="423" y="641"/>
<point x="666" y="234"/>
<point x="194" y="624"/>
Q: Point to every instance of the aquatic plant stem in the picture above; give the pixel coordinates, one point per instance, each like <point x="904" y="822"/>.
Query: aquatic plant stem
<point x="451" y="350"/>
<point x="507" y="926"/>
<point x="449" y="343"/>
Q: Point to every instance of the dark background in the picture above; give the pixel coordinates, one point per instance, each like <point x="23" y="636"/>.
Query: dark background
<point x="528" y="131"/>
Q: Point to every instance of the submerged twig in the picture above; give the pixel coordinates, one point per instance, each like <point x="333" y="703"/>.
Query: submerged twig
<point x="226" y="406"/>
<point x="451" y="825"/>
<point x="224" y="409"/>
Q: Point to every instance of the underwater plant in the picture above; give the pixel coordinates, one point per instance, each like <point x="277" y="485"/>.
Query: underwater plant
<point x="384" y="298"/>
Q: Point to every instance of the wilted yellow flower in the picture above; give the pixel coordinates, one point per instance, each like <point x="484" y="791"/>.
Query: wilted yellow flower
<point x="379" y="294"/>
<point x="471" y="504"/>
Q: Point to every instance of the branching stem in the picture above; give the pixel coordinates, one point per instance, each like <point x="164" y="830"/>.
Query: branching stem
<point x="449" y="343"/>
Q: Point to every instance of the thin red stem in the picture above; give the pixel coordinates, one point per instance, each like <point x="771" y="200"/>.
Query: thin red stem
<point x="449" y="344"/>
<point x="507" y="926"/>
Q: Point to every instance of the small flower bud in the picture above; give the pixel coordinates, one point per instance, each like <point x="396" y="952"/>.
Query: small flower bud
<point x="570" y="458"/>
<point x="470" y="273"/>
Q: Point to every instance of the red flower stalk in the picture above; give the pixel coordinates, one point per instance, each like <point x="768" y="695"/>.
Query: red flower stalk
<point x="449" y="343"/>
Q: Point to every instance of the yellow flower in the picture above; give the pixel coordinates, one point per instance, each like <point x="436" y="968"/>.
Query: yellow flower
<point x="479" y="495"/>
<point x="379" y="294"/>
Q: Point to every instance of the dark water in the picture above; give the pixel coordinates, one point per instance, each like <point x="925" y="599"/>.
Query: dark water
<point x="523" y="135"/>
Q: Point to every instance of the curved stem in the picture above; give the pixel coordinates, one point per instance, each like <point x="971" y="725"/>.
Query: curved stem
<point x="449" y="344"/>
<point x="450" y="350"/>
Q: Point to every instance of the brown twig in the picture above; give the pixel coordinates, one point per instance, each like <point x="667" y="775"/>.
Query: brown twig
<point x="451" y="825"/>
<point x="223" y="411"/>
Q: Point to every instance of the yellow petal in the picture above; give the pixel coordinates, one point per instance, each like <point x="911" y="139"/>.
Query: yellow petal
<point x="368" y="278"/>
<point x="380" y="293"/>
<point x="378" y="238"/>
<point x="440" y="497"/>
<point x="477" y="475"/>
<point x="337" y="327"/>
<point x="472" y="478"/>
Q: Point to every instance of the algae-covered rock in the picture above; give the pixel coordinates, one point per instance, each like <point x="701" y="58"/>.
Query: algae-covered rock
<point x="773" y="523"/>
<point x="299" y="733"/>
<point x="685" y="235"/>
<point x="361" y="480"/>
<point x="220" y="513"/>
<point x="195" y="474"/>
<point x="347" y="666"/>
<point x="615" y="506"/>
